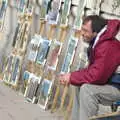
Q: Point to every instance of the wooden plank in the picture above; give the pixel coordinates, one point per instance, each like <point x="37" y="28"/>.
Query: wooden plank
<point x="108" y="116"/>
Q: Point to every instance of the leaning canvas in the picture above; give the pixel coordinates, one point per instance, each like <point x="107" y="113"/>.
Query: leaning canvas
<point x="31" y="87"/>
<point x="8" y="69"/>
<point x="69" y="55"/>
<point x="45" y="91"/>
<point x="26" y="77"/>
<point x="53" y="54"/>
<point x="34" y="44"/>
<point x="43" y="9"/>
<point x="80" y="13"/>
<point x="16" y="70"/>
<point x="65" y="12"/>
<point x="53" y="10"/>
<point x="43" y="51"/>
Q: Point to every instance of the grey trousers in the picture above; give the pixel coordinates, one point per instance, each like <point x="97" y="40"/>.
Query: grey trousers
<point x="88" y="97"/>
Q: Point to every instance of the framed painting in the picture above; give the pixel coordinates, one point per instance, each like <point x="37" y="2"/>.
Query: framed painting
<point x="65" y="12"/>
<point x="21" y="5"/>
<point x="53" y="54"/>
<point x="8" y="69"/>
<point x="45" y="91"/>
<point x="69" y="55"/>
<point x="16" y="34"/>
<point x="43" y="9"/>
<point x="80" y="13"/>
<point x="53" y="10"/>
<point x="34" y="44"/>
<point x="32" y="87"/>
<point x="16" y="70"/>
<point x="3" y="7"/>
<point x="43" y="51"/>
<point x="26" y="77"/>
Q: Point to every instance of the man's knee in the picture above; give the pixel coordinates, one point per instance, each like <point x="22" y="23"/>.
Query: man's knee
<point x="85" y="90"/>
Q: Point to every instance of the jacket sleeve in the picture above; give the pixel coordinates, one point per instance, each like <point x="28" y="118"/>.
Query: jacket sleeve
<point x="98" y="72"/>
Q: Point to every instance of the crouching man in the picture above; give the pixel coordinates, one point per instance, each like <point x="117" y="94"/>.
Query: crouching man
<point x="94" y="83"/>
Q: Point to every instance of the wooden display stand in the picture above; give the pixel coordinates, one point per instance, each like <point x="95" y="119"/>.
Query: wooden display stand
<point x="19" y="49"/>
<point x="62" y="37"/>
<point x="36" y="68"/>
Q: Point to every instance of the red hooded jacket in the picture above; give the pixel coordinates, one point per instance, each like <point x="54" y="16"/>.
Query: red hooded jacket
<point x="105" y="58"/>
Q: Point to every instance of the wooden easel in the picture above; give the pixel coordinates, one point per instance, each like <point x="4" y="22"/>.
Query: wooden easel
<point x="62" y="36"/>
<point x="77" y="34"/>
<point x="66" y="87"/>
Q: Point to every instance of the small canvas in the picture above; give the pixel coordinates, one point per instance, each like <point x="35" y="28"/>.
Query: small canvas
<point x="3" y="8"/>
<point x="54" y="53"/>
<point x="45" y="90"/>
<point x="80" y="11"/>
<point x="53" y="11"/>
<point x="35" y="42"/>
<point x="43" y="51"/>
<point x="43" y="9"/>
<point x="65" y="12"/>
<point x="8" y="69"/>
<point x="69" y="55"/>
<point x="16" y="70"/>
<point x="32" y="87"/>
<point x="26" y="77"/>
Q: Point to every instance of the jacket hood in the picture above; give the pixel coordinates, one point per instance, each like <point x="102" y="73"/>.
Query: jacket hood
<point x="113" y="26"/>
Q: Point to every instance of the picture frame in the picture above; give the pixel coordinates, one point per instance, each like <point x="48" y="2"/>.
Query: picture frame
<point x="8" y="69"/>
<point x="80" y="11"/>
<point x="43" y="9"/>
<point x="43" y="51"/>
<point x="16" y="34"/>
<point x="52" y="15"/>
<point x="69" y="54"/>
<point x="34" y="44"/>
<point x="32" y="87"/>
<point x="16" y="70"/>
<point x="55" y="50"/>
<point x="26" y="77"/>
<point x="3" y="8"/>
<point x="22" y="39"/>
<point x="65" y="12"/>
<point x="45" y="92"/>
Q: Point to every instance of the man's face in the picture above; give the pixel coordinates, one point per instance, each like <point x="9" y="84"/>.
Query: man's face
<point x="87" y="32"/>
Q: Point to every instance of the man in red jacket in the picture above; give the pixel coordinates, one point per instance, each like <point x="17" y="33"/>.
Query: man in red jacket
<point x="93" y="83"/>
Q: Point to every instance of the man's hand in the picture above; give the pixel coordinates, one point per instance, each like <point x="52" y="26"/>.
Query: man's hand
<point x="64" y="78"/>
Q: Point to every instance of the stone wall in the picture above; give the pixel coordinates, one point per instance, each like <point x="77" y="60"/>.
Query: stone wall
<point x="106" y="8"/>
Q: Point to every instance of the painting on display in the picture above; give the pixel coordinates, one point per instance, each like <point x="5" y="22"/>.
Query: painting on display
<point x="53" y="9"/>
<point x="45" y="90"/>
<point x="69" y="55"/>
<point x="80" y="11"/>
<point x="16" y="70"/>
<point x="54" y="53"/>
<point x="26" y="77"/>
<point x="8" y="69"/>
<point x="3" y="7"/>
<point x="65" y="12"/>
<point x="32" y="86"/>
<point x="34" y="44"/>
<point x="43" y="51"/>
<point x="44" y="8"/>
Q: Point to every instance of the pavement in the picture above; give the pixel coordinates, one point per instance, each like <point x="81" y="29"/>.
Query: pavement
<point x="13" y="106"/>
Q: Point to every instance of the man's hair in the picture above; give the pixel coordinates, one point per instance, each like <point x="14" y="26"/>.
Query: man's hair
<point x="97" y="22"/>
